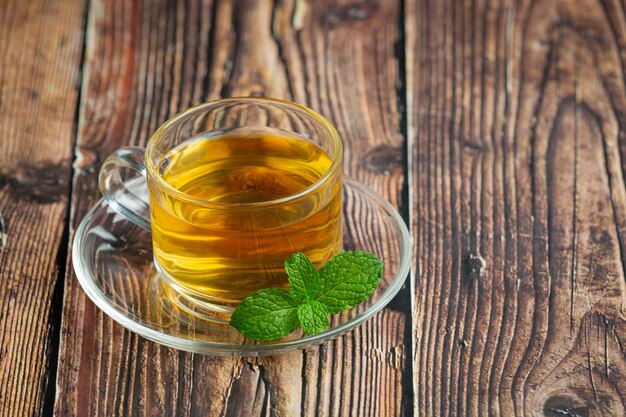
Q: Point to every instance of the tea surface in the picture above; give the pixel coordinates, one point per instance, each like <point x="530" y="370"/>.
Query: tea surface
<point x="228" y="251"/>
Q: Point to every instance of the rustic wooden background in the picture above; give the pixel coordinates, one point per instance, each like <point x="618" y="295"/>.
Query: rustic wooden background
<point x="496" y="127"/>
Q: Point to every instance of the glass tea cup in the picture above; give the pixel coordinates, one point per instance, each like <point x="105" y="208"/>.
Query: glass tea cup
<point x="234" y="187"/>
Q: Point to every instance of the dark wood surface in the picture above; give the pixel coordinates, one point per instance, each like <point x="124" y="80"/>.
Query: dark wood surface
<point x="40" y="59"/>
<point x="517" y="117"/>
<point x="496" y="127"/>
<point x="142" y="65"/>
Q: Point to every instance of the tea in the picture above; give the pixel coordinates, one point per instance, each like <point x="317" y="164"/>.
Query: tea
<point x="236" y="241"/>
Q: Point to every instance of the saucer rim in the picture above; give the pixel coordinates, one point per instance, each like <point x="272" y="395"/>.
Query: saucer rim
<point x="100" y="299"/>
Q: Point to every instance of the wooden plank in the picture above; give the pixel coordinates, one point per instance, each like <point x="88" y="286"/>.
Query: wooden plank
<point x="146" y="61"/>
<point x="40" y="52"/>
<point x="517" y="124"/>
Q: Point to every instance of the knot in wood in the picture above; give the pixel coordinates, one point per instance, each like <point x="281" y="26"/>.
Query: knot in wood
<point x="360" y="11"/>
<point x="561" y="406"/>
<point x="43" y="184"/>
<point x="86" y="159"/>
<point x="472" y="267"/>
<point x="383" y="159"/>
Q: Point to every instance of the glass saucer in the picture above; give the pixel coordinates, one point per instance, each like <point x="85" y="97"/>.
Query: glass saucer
<point x="113" y="262"/>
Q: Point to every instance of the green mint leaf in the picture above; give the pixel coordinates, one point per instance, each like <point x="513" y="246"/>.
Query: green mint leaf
<point x="313" y="317"/>
<point x="266" y="315"/>
<point x="348" y="279"/>
<point x="303" y="277"/>
<point x="345" y="281"/>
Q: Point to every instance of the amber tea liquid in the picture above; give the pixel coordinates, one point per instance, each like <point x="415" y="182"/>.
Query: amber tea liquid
<point x="228" y="250"/>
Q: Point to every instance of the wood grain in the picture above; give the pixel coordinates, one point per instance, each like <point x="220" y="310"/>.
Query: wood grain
<point x="147" y="60"/>
<point x="516" y="116"/>
<point x="40" y="54"/>
<point x="517" y="139"/>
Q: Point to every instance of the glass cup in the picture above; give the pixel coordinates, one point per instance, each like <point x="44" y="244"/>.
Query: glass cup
<point x="234" y="187"/>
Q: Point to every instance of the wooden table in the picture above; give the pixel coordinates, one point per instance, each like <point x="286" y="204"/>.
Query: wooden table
<point x="496" y="127"/>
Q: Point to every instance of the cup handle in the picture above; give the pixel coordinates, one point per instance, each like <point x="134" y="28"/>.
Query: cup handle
<point x="127" y="196"/>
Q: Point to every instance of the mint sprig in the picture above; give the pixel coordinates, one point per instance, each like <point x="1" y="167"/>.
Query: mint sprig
<point x="342" y="283"/>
